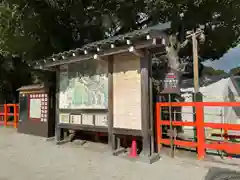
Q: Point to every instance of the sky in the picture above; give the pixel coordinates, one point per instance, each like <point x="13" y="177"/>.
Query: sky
<point x="230" y="59"/>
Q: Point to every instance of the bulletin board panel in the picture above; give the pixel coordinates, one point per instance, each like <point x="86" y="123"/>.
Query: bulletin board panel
<point x="84" y="85"/>
<point x="127" y="92"/>
<point x="84" y="121"/>
<point x="35" y="113"/>
<point x="83" y="95"/>
<point x="38" y="107"/>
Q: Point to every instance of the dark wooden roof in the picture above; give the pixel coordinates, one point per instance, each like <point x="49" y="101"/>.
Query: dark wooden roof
<point x="137" y="34"/>
<point x="105" y="47"/>
<point x="31" y="87"/>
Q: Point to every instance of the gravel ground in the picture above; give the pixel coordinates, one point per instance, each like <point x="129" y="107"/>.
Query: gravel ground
<point x="33" y="158"/>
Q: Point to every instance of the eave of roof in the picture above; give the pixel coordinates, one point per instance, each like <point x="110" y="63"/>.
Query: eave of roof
<point x="31" y="87"/>
<point x="139" y="39"/>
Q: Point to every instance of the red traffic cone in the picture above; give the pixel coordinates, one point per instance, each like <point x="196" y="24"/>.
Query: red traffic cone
<point x="133" y="151"/>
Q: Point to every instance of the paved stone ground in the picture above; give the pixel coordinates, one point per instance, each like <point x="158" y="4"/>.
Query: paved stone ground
<point x="33" y="158"/>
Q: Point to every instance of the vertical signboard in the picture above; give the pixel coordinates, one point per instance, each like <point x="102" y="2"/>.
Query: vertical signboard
<point x="171" y="82"/>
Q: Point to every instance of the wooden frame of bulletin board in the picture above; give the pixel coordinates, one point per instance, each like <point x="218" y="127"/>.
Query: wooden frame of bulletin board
<point x="41" y="106"/>
<point x="89" y="119"/>
<point x="38" y="120"/>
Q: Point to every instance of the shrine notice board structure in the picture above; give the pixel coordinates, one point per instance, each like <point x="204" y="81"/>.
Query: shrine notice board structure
<point x="36" y="115"/>
<point x="105" y="86"/>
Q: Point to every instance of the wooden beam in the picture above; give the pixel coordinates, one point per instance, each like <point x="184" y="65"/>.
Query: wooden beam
<point x="58" y="131"/>
<point x="97" y="57"/>
<point x="144" y="62"/>
<point x="111" y="140"/>
<point x="115" y="50"/>
<point x="136" y="52"/>
<point x="151" y="106"/>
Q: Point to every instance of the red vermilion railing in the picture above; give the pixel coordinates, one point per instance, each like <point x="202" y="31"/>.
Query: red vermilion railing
<point x="201" y="145"/>
<point x="6" y="113"/>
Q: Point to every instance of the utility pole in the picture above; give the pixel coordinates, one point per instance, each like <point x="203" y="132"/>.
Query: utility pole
<point x="194" y="35"/>
<point x="199" y="32"/>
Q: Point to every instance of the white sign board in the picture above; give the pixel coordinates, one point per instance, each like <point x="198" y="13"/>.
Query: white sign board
<point x="101" y="120"/>
<point x="75" y="119"/>
<point x="127" y="92"/>
<point x="87" y="119"/>
<point x="35" y="109"/>
<point x="64" y="118"/>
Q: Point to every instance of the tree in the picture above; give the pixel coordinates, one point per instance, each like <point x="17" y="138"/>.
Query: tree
<point x="209" y="71"/>
<point x="235" y="71"/>
<point x="33" y="29"/>
<point x="68" y="24"/>
<point x="221" y="18"/>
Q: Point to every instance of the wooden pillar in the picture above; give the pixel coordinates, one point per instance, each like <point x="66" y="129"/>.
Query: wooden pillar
<point x="145" y="61"/>
<point x="111" y="138"/>
<point x="151" y="120"/>
<point x="5" y="114"/>
<point x="15" y="115"/>
<point x="58" y="131"/>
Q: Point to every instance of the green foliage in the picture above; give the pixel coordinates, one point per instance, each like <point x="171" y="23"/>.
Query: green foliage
<point x="209" y="71"/>
<point x="235" y="71"/>
<point x="38" y="28"/>
<point x="16" y="34"/>
<point x="220" y="17"/>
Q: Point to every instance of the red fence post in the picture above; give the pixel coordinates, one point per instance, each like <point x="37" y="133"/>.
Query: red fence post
<point x="159" y="128"/>
<point x="5" y="114"/>
<point x="15" y="115"/>
<point x="200" y="130"/>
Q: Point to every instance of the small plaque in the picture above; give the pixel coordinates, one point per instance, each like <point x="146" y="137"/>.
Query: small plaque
<point x="171" y="82"/>
<point x="75" y="119"/>
<point x="87" y="119"/>
<point x="101" y="120"/>
<point x="64" y="118"/>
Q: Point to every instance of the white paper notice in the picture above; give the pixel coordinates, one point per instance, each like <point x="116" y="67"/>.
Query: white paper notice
<point x="35" y="108"/>
<point x="127" y="92"/>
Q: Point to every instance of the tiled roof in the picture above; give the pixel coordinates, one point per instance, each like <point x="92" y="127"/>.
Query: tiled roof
<point x="110" y="43"/>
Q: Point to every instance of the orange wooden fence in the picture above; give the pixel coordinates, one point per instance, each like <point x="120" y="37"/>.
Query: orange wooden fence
<point x="200" y="144"/>
<point x="5" y="113"/>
